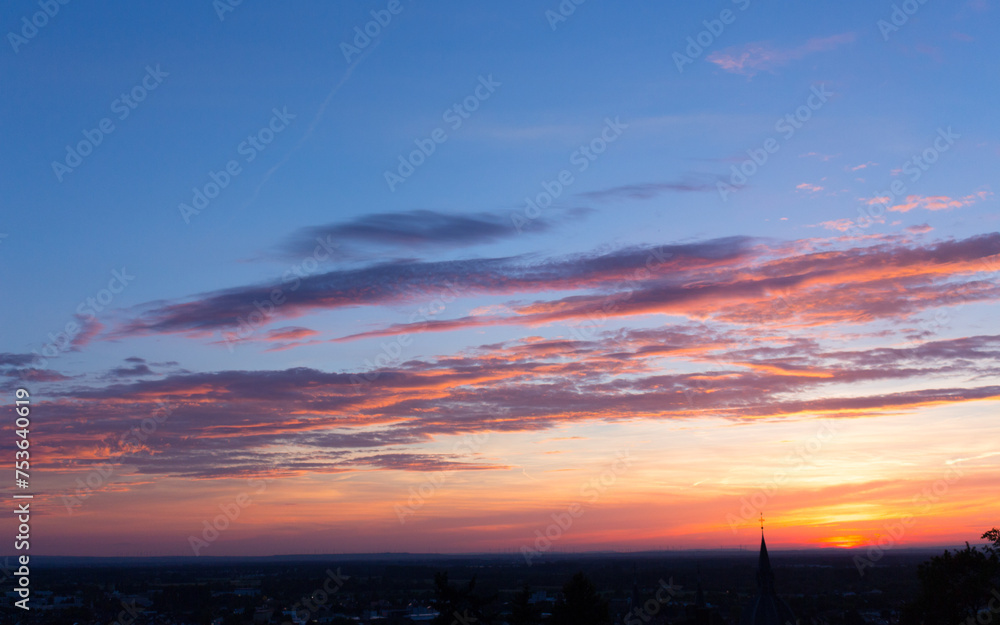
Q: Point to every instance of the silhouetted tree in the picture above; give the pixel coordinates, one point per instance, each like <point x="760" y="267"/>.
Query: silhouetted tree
<point x="955" y="586"/>
<point x="522" y="611"/>
<point x="459" y="606"/>
<point x="994" y="535"/>
<point x="580" y="604"/>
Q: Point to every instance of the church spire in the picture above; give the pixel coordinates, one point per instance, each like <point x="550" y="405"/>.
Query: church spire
<point x="767" y="608"/>
<point x="765" y="577"/>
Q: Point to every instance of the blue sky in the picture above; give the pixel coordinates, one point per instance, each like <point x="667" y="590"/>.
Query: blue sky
<point x="554" y="87"/>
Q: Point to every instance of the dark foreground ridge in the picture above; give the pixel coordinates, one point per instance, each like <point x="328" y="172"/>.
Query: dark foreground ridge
<point x="822" y="586"/>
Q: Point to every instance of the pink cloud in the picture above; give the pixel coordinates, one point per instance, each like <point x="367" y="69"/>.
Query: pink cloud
<point x="840" y="225"/>
<point x="822" y="157"/>
<point x="937" y="202"/>
<point x="290" y="333"/>
<point x="862" y="166"/>
<point x="88" y="332"/>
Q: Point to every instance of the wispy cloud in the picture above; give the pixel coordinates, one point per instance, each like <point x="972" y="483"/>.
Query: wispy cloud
<point x="234" y="423"/>
<point x="840" y="225"/>
<point x="724" y="279"/>
<point x="835" y="286"/>
<point x="753" y="58"/>
<point x="938" y="202"/>
<point x="279" y="339"/>
<point x="404" y="233"/>
<point x="822" y="157"/>
<point x="862" y="166"/>
<point x="648" y="190"/>
<point x="136" y="370"/>
<point x="417" y="281"/>
<point x="90" y="328"/>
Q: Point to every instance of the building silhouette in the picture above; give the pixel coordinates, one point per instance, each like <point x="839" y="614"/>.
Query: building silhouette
<point x="766" y="608"/>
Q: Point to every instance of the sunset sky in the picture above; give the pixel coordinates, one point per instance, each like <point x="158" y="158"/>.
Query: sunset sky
<point x="427" y="289"/>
